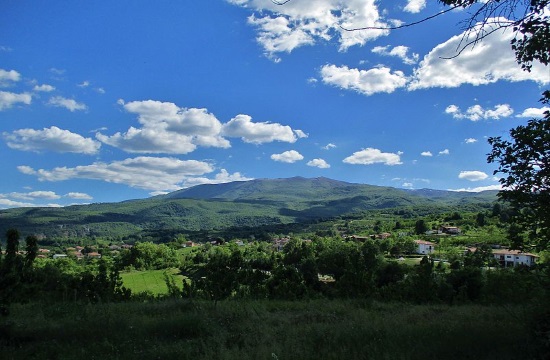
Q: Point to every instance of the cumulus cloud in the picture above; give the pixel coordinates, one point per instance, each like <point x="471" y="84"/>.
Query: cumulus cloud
<point x="222" y="177"/>
<point x="444" y="152"/>
<point x="290" y="157"/>
<point x="480" y="188"/>
<point x="149" y="173"/>
<point x="32" y="195"/>
<point x="329" y="146"/>
<point x="483" y="63"/>
<point x="259" y="133"/>
<point x="402" y="52"/>
<point x="370" y="156"/>
<point x="78" y="196"/>
<point x="28" y="199"/>
<point x="43" y="88"/>
<point x="69" y="104"/>
<point x="8" y="77"/>
<point x="470" y="140"/>
<point x="300" y="23"/>
<point x="477" y="112"/>
<point x="50" y="139"/>
<point x="426" y="153"/>
<point x="149" y="140"/>
<point x="8" y="203"/>
<point x="533" y="112"/>
<point x="320" y="163"/>
<point x="415" y="6"/>
<point x="473" y="175"/>
<point x="167" y="128"/>
<point x="366" y="82"/>
<point x="8" y="99"/>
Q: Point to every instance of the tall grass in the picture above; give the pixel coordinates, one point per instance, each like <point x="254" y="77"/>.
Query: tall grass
<point x="320" y="329"/>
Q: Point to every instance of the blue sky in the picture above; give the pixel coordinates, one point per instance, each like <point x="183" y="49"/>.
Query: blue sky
<point x="106" y="101"/>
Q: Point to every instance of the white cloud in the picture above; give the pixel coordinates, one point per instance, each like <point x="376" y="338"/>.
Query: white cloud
<point x="320" y="163"/>
<point x="78" y="195"/>
<point x="259" y="133"/>
<point x="426" y="153"/>
<point x="415" y="6"/>
<point x="484" y="63"/>
<point x="43" y="88"/>
<point x="222" y="177"/>
<point x="8" y="99"/>
<point x="300" y="134"/>
<point x="402" y="52"/>
<point x="477" y="112"/>
<point x="300" y="23"/>
<point x="8" y="77"/>
<point x="444" y="152"/>
<point x="290" y="157"/>
<point x="329" y="146"/>
<point x="470" y="140"/>
<point x="407" y="185"/>
<point x="149" y="173"/>
<point x="533" y="112"/>
<point x="50" y="195"/>
<point x="168" y="129"/>
<point x="84" y="84"/>
<point x="150" y="141"/>
<point x="50" y="139"/>
<point x="473" y="175"/>
<point x="69" y="104"/>
<point x="480" y="188"/>
<point x="366" y="82"/>
<point x="370" y="156"/>
<point x="7" y="203"/>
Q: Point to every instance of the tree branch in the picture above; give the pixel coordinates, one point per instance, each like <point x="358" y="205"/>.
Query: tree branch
<point x="400" y="26"/>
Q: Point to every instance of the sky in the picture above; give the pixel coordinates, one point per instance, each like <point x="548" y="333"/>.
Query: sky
<point x="105" y="101"/>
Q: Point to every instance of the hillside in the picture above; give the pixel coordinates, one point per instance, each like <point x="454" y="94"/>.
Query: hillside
<point x="236" y="204"/>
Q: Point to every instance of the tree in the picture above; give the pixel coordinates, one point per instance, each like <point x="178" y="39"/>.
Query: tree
<point x="524" y="163"/>
<point x="526" y="18"/>
<point x="32" y="250"/>
<point x="420" y="227"/>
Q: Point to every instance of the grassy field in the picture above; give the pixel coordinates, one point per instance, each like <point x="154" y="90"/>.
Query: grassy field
<point x="319" y="329"/>
<point x="150" y="281"/>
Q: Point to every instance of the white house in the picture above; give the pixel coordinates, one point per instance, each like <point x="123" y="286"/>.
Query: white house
<point x="508" y="258"/>
<point x="424" y="247"/>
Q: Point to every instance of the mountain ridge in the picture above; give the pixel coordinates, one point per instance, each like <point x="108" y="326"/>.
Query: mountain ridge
<point x="236" y="204"/>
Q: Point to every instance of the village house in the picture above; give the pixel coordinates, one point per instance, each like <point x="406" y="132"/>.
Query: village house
<point x="279" y="244"/>
<point x="451" y="230"/>
<point x="94" y="255"/>
<point x="424" y="247"/>
<point x="510" y="258"/>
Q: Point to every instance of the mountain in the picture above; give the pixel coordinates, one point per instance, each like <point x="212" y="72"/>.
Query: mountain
<point x="235" y="204"/>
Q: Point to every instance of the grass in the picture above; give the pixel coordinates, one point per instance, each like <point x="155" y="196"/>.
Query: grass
<point x="319" y="329"/>
<point x="150" y="281"/>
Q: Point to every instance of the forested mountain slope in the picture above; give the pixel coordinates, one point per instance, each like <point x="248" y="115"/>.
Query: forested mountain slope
<point x="248" y="203"/>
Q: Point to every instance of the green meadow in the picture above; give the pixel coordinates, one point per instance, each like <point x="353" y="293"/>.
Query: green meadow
<point x="283" y="330"/>
<point x="150" y="281"/>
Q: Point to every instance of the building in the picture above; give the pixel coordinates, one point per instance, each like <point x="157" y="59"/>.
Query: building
<point x="510" y="258"/>
<point x="451" y="230"/>
<point x="424" y="247"/>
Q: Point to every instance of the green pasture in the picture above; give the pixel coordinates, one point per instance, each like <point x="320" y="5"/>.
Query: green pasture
<point x="150" y="281"/>
<point x="301" y="330"/>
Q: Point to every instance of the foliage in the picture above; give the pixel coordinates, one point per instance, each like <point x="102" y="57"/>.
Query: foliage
<point x="527" y="19"/>
<point x="317" y="329"/>
<point x="524" y="162"/>
<point x="149" y="256"/>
